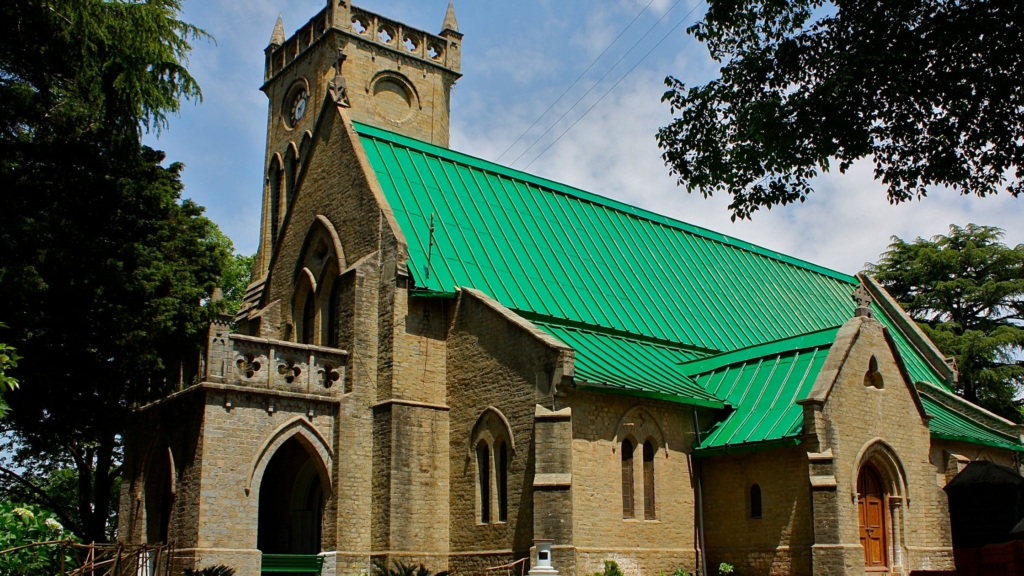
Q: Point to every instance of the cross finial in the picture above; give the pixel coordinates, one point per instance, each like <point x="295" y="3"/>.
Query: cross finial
<point x="864" y="300"/>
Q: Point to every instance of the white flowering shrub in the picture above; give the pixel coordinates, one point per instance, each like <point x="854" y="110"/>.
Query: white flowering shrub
<point x="21" y="525"/>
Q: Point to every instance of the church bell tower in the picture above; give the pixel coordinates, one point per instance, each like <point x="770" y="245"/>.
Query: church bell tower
<point x="389" y="74"/>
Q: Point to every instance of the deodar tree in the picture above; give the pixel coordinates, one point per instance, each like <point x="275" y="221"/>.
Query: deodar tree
<point x="931" y="92"/>
<point x="104" y="268"/>
<point x="966" y="291"/>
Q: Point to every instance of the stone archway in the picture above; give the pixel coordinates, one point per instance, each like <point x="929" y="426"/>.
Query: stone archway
<point x="291" y="502"/>
<point x="873" y="519"/>
<point x="158" y="486"/>
<point x="880" y="490"/>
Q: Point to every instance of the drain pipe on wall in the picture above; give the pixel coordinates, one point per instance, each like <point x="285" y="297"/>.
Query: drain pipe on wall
<point x="700" y="500"/>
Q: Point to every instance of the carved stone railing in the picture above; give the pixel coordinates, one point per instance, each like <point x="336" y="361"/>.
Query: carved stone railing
<point x="273" y="364"/>
<point x="385" y="32"/>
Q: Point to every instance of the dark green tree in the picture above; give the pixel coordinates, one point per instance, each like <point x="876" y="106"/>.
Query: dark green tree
<point x="236" y="278"/>
<point x="8" y="360"/>
<point x="106" y="273"/>
<point x="966" y="291"/>
<point x="929" y="90"/>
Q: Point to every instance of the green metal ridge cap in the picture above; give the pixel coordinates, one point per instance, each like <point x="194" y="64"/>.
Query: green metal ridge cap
<point x="606" y="331"/>
<point x="816" y="339"/>
<point x="931" y="391"/>
<point x="960" y="428"/>
<point x="558" y="187"/>
<point x="968" y="440"/>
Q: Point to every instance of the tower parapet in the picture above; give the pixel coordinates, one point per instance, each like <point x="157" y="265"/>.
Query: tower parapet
<point x="440" y="50"/>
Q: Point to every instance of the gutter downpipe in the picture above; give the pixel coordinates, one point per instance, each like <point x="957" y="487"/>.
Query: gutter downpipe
<point x="700" y="501"/>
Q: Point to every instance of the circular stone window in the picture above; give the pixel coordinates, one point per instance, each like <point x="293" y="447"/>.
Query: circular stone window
<point x="393" y="98"/>
<point x="295" y="105"/>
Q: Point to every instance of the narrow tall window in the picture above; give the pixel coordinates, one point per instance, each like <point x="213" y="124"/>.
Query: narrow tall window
<point x="275" y="201"/>
<point x="627" y="479"/>
<point x="483" y="465"/>
<point x="755" y="502"/>
<point x="308" y="318"/>
<point x="502" y="482"/>
<point x="289" y="178"/>
<point x="332" y="314"/>
<point x="648" y="480"/>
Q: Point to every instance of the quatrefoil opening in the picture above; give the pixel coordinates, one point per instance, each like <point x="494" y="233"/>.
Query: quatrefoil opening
<point x="248" y="366"/>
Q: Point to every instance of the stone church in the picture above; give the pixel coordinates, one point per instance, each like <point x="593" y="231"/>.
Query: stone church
<point x="443" y="360"/>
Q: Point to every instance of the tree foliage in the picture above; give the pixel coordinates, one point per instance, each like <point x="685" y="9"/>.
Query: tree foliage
<point x="8" y="360"/>
<point x="23" y="524"/>
<point x="113" y="66"/>
<point x="236" y="277"/>
<point x="380" y="568"/>
<point x="966" y="290"/>
<point x="932" y="91"/>
<point x="104" y="268"/>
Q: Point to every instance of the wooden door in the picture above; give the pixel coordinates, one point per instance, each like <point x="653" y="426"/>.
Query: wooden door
<point x="871" y="504"/>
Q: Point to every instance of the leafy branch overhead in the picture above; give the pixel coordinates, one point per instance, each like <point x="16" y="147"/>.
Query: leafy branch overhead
<point x="966" y="290"/>
<point x="931" y="91"/>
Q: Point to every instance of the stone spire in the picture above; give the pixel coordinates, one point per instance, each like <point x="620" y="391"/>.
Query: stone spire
<point x="277" y="38"/>
<point x="450" y="23"/>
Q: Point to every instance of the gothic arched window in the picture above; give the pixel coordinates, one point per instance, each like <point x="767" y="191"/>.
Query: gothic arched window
<point x="627" y="479"/>
<point x="648" y="480"/>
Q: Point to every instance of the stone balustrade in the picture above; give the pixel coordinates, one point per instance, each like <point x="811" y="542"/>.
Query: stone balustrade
<point x="263" y="363"/>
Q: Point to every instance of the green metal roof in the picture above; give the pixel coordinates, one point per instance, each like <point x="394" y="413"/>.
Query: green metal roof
<point x="653" y="306"/>
<point x="917" y="367"/>
<point x="619" y="363"/>
<point x="763" y="383"/>
<point x="539" y="246"/>
<point x="948" y="424"/>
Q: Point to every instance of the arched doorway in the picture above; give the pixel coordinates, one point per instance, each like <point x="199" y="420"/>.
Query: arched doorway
<point x="873" y="529"/>
<point x="159" y="496"/>
<point x="291" y="503"/>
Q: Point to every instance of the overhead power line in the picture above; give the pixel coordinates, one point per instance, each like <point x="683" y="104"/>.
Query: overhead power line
<point x="610" y="70"/>
<point x="594" y="105"/>
<point x="578" y="78"/>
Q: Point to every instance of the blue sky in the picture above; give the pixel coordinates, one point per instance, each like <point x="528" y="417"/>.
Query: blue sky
<point x="518" y="57"/>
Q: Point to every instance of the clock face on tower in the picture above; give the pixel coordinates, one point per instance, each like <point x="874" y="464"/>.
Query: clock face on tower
<point x="298" y="107"/>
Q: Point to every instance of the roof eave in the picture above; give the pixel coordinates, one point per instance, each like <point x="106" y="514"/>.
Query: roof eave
<point x="699" y="402"/>
<point x="730" y="449"/>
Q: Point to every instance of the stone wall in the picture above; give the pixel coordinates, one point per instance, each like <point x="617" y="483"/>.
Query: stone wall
<point x="857" y="415"/>
<point x="600" y="422"/>
<point x="167" y="430"/>
<point x="950" y="457"/>
<point x="779" y="542"/>
<point x="354" y="431"/>
<point x="239" y="442"/>
<point x="338" y="185"/>
<point x="493" y="361"/>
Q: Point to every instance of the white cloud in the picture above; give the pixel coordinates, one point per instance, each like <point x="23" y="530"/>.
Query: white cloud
<point x="524" y="65"/>
<point x="611" y="152"/>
